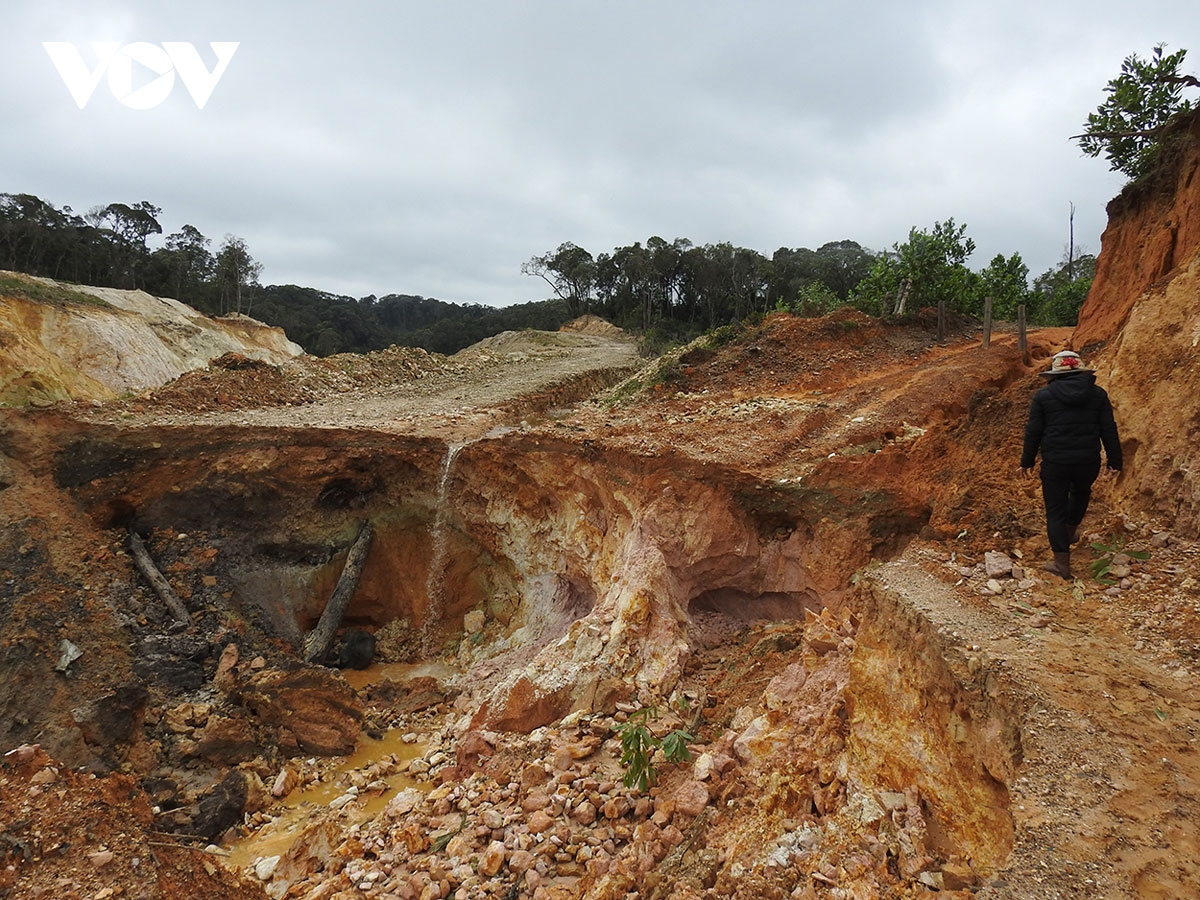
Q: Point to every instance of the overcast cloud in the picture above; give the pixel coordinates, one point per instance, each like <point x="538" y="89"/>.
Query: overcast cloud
<point x="431" y="148"/>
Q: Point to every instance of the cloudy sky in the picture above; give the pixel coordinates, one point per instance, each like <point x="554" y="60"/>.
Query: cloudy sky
<point x="430" y="148"/>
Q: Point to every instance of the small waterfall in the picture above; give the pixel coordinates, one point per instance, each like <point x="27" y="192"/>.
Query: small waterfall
<point x="435" y="581"/>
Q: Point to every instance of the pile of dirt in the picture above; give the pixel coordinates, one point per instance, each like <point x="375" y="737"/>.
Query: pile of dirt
<point x="65" y="835"/>
<point x="235" y="382"/>
<point x="77" y="342"/>
<point x="591" y="324"/>
<point x="494" y="383"/>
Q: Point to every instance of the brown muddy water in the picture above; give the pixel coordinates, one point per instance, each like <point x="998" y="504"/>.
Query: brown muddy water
<point x="397" y="749"/>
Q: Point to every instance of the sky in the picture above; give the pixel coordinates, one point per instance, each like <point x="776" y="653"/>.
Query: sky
<point x="432" y="148"/>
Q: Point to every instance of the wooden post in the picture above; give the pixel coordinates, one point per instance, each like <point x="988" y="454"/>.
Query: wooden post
<point x="987" y="322"/>
<point x="318" y="641"/>
<point x="141" y="558"/>
<point x="1021" y="341"/>
<point x="941" y="334"/>
<point x="902" y="297"/>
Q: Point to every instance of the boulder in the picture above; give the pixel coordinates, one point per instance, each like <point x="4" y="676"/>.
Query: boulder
<point x="997" y="565"/>
<point x="221" y="808"/>
<point x="313" y="709"/>
<point x="226" y="740"/>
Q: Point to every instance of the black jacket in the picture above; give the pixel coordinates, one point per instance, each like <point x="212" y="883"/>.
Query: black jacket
<point x="1068" y="421"/>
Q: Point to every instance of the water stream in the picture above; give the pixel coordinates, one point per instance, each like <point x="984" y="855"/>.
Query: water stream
<point x="435" y="581"/>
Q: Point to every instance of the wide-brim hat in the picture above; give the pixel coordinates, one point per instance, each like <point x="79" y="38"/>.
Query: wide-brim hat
<point x="1067" y="362"/>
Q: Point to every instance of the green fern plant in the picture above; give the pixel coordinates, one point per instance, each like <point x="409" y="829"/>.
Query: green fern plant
<point x="639" y="743"/>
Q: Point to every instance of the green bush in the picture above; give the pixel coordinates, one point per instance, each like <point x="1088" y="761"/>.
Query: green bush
<point x="638" y="746"/>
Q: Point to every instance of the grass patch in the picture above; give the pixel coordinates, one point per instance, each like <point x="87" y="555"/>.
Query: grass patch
<point x="625" y="391"/>
<point x="14" y="284"/>
<point x="722" y="335"/>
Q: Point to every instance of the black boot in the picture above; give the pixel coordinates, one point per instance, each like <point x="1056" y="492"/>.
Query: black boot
<point x="1061" y="566"/>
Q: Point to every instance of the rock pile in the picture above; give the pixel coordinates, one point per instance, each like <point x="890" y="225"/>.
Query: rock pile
<point x="548" y="814"/>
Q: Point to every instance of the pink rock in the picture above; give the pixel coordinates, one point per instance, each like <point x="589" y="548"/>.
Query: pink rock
<point x="540" y="822"/>
<point x="225" y="679"/>
<point x="584" y="813"/>
<point x="533" y="775"/>
<point x="285" y="783"/>
<point x="535" y="801"/>
<point x="616" y="808"/>
<point x="691" y="798"/>
<point x="784" y="689"/>
<point x="521" y="860"/>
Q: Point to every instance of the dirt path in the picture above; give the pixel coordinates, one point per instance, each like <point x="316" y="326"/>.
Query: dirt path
<point x="1106" y="802"/>
<point x="488" y="385"/>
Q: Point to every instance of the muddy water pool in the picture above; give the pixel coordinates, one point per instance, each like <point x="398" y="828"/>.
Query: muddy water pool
<point x="395" y="751"/>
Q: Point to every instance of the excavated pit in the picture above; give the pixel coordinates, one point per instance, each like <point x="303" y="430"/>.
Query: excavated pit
<point x="531" y="530"/>
<point x="600" y="574"/>
<point x="538" y="534"/>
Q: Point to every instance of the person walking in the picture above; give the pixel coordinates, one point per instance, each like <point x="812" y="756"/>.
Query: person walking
<point x="1069" y="420"/>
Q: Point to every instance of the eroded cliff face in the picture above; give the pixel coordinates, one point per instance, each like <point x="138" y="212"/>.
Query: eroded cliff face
<point x="127" y="341"/>
<point x="1142" y="321"/>
<point x="1153" y="232"/>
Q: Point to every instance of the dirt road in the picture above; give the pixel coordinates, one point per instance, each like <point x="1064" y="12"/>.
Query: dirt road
<point x="404" y="390"/>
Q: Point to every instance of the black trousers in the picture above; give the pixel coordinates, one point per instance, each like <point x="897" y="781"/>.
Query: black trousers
<point x="1066" y="491"/>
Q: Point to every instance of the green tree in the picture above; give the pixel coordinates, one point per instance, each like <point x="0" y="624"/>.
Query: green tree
<point x="843" y="265"/>
<point x="127" y="228"/>
<point x="235" y="271"/>
<point x="1059" y="292"/>
<point x="30" y="234"/>
<point x="189" y="263"/>
<point x="811" y="300"/>
<point x="1129" y="126"/>
<point x="1006" y="281"/>
<point x="570" y="271"/>
<point x="928" y="268"/>
<point x="792" y="272"/>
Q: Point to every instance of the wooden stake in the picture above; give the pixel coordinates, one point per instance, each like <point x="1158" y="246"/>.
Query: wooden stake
<point x="141" y="557"/>
<point x="318" y="641"/>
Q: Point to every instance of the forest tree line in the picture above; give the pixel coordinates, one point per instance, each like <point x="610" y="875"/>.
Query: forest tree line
<point x="663" y="290"/>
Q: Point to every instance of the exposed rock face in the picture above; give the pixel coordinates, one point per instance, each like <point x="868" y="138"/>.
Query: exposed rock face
<point x="921" y="716"/>
<point x="131" y="342"/>
<point x="1148" y="369"/>
<point x="1153" y="232"/>
<point x="1145" y="304"/>
<point x="594" y="564"/>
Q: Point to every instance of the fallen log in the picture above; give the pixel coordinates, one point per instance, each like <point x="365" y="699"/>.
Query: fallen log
<point x="141" y="558"/>
<point x="318" y="642"/>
